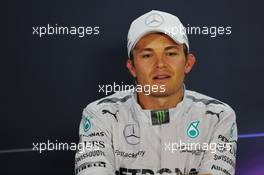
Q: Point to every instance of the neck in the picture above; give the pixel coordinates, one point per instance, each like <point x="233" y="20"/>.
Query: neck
<point x="157" y="102"/>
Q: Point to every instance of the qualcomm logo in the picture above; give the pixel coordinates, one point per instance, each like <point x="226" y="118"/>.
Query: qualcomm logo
<point x="193" y="130"/>
<point x="154" y="20"/>
<point x="132" y="134"/>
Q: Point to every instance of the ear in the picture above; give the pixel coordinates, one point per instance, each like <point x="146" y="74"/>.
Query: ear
<point x="130" y="66"/>
<point x="189" y="63"/>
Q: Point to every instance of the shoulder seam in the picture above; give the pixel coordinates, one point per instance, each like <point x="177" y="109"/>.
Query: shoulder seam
<point x="115" y="99"/>
<point x="204" y="100"/>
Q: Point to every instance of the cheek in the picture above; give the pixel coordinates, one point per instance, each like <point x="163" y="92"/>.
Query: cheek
<point x="179" y="68"/>
<point x="142" y="67"/>
<point x="143" y="72"/>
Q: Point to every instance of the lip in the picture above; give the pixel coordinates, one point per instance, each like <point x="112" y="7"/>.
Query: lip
<point x="161" y="78"/>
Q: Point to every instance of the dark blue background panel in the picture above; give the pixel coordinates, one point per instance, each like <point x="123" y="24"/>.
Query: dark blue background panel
<point x="47" y="81"/>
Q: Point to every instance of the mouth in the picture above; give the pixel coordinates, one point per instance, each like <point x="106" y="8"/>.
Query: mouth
<point x="161" y="77"/>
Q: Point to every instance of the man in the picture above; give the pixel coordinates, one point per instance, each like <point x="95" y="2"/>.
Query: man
<point x="138" y="133"/>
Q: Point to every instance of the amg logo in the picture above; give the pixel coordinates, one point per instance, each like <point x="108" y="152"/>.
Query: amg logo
<point x="177" y="171"/>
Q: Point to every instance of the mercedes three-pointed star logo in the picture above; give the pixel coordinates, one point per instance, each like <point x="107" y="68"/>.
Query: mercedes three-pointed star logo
<point x="154" y="20"/>
<point x="132" y="134"/>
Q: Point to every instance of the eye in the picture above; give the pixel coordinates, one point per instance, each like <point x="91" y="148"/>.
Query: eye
<point x="171" y="53"/>
<point x="147" y="55"/>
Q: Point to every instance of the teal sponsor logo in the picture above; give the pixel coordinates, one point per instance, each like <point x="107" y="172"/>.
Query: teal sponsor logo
<point x="86" y="123"/>
<point x="193" y="130"/>
<point x="232" y="130"/>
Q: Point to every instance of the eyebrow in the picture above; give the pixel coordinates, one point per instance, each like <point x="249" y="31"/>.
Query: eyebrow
<point x="166" y="48"/>
<point x="145" y="49"/>
<point x="172" y="47"/>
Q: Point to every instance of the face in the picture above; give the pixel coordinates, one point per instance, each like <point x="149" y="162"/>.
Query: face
<point x="158" y="60"/>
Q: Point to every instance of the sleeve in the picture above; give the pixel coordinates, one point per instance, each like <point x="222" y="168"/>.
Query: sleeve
<point x="221" y="160"/>
<point x="95" y="149"/>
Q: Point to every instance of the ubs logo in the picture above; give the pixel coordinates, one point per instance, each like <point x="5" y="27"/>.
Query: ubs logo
<point x="132" y="134"/>
<point x="154" y="20"/>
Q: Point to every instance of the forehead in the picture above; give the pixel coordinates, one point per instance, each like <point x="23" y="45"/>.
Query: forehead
<point x="155" y="39"/>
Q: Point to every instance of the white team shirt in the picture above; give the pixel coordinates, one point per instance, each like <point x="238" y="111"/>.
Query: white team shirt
<point x="199" y="135"/>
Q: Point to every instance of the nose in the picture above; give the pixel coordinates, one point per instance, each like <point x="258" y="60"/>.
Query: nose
<point x="160" y="62"/>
